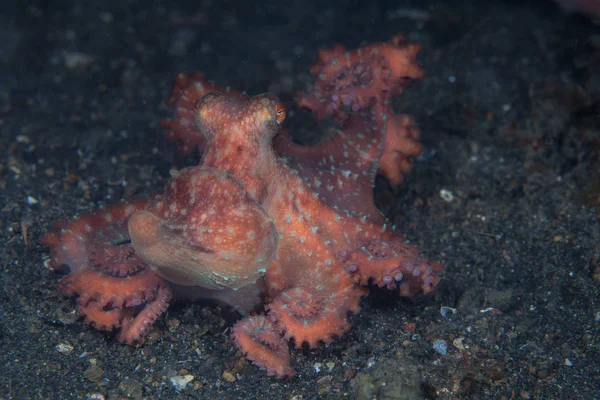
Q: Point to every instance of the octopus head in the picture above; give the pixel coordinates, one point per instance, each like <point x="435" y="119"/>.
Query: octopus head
<point x="221" y="117"/>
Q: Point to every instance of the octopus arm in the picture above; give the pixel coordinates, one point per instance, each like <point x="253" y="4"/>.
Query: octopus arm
<point x="260" y="339"/>
<point x="72" y="241"/>
<point x="342" y="169"/>
<point x="135" y="327"/>
<point x="391" y="262"/>
<point x="113" y="285"/>
<point x="307" y="316"/>
<point x="355" y="88"/>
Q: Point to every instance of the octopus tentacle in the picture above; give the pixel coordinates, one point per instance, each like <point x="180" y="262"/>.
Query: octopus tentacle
<point x="117" y="261"/>
<point x="307" y="317"/>
<point x="390" y="264"/>
<point x="94" y="286"/>
<point x="401" y="146"/>
<point x="351" y="80"/>
<point x="73" y="242"/>
<point x="134" y="330"/>
<point x="345" y="161"/>
<point x="367" y="78"/>
<point x="101" y="319"/>
<point x="109" y="302"/>
<point x="112" y="283"/>
<point x="261" y="341"/>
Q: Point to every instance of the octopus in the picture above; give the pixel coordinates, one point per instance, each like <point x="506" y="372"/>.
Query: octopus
<point x="286" y="234"/>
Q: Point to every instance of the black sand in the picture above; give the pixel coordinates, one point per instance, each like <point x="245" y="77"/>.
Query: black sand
<point x="510" y="114"/>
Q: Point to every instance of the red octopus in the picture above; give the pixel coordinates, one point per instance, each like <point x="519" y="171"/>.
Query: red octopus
<point x="262" y="224"/>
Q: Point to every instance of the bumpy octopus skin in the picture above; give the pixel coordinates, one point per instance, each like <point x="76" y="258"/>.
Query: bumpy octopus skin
<point x="262" y="222"/>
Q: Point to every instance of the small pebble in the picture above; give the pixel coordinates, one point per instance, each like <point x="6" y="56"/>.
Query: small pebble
<point x="447" y="195"/>
<point x="64" y="348"/>
<point x="371" y="362"/>
<point x="458" y="343"/>
<point x="173" y="324"/>
<point x="228" y="376"/>
<point x="317" y="367"/>
<point x="180" y="382"/>
<point x="444" y="310"/>
<point x="440" y="346"/>
<point x="94" y="374"/>
<point x="95" y="396"/>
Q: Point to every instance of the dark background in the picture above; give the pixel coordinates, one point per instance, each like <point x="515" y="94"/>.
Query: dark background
<point x="509" y="110"/>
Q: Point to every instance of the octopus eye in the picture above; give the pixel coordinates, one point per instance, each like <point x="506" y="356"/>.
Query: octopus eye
<point x="280" y="111"/>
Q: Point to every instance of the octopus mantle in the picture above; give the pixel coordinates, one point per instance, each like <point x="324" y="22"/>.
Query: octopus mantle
<point x="262" y="224"/>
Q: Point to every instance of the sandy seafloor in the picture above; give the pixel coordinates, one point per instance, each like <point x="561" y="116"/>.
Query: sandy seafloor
<point x="509" y="111"/>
